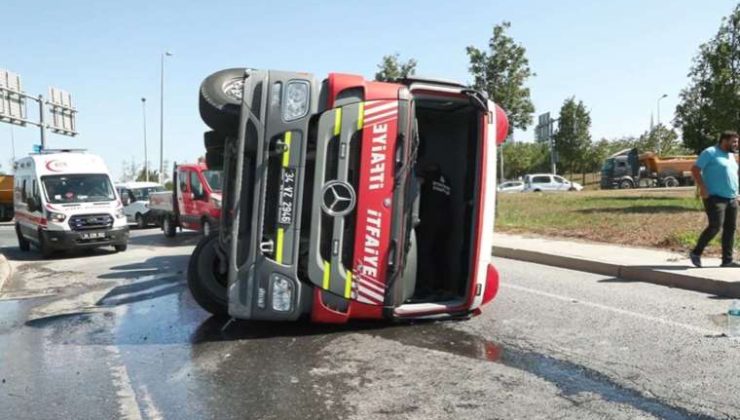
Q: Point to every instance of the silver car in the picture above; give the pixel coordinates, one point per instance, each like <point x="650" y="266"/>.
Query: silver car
<point x="549" y="182"/>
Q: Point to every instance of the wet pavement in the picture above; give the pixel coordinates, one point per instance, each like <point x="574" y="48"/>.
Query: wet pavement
<point x="105" y="335"/>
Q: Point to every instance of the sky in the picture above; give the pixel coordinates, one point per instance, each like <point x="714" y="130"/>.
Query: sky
<point x="618" y="57"/>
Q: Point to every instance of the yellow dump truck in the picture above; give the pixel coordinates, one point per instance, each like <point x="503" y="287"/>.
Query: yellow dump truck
<point x="6" y="197"/>
<point x="630" y="169"/>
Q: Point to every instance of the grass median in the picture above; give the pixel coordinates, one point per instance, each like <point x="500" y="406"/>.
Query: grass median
<point x="667" y="219"/>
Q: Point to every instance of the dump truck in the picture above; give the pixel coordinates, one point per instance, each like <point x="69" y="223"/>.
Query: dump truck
<point x="6" y="197"/>
<point x="630" y="169"/>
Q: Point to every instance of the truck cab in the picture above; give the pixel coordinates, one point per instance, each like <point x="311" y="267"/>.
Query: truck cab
<point x="348" y="199"/>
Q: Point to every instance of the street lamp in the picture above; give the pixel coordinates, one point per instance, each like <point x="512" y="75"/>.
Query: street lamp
<point x="161" y="117"/>
<point x="146" y="158"/>
<point x="665" y="95"/>
<point x="657" y="133"/>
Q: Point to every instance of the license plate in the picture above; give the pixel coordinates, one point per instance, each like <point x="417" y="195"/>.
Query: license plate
<point x="286" y="199"/>
<point x="92" y="235"/>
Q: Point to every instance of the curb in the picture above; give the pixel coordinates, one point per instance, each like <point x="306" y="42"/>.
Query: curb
<point x="4" y="271"/>
<point x="630" y="273"/>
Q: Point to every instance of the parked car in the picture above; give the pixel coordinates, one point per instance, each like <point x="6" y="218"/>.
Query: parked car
<point x="135" y="199"/>
<point x="548" y="183"/>
<point x="511" y="186"/>
<point x="65" y="200"/>
<point x="194" y="204"/>
<point x="323" y="206"/>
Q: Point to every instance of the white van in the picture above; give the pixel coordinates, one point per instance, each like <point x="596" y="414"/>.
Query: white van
<point x="65" y="200"/>
<point x="135" y="199"/>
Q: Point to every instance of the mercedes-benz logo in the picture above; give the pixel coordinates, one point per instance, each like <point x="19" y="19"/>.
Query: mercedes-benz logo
<point x="338" y="198"/>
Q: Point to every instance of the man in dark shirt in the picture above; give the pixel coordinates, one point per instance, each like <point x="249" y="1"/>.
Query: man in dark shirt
<point x="435" y="228"/>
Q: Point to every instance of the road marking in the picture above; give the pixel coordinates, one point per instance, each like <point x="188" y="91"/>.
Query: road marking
<point x="152" y="412"/>
<point x="128" y="407"/>
<point x="699" y="330"/>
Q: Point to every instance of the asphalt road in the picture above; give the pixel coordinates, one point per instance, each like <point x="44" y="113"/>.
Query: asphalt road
<point x="105" y="335"/>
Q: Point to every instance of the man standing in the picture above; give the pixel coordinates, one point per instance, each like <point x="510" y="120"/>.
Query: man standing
<point x="716" y="175"/>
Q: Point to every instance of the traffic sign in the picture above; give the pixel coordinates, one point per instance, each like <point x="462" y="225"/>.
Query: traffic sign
<point x="12" y="99"/>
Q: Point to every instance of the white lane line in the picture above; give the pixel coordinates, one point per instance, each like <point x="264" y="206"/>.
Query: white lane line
<point x="128" y="407"/>
<point x="152" y="412"/>
<point x="699" y="330"/>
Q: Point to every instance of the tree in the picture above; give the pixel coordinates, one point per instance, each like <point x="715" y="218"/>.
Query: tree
<point x="522" y="158"/>
<point x="573" y="138"/>
<point x="502" y="73"/>
<point x="711" y="102"/>
<point x="392" y="69"/>
<point x="661" y="140"/>
<point x="153" y="175"/>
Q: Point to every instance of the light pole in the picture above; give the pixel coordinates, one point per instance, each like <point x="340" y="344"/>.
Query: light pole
<point x="161" y="117"/>
<point x="663" y="96"/>
<point x="146" y="158"/>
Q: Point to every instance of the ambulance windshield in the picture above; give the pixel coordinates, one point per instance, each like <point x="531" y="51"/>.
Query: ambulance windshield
<point x="82" y="188"/>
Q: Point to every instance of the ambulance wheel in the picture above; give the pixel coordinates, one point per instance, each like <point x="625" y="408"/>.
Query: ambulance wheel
<point x="169" y="228"/>
<point x="121" y="248"/>
<point x="206" y="282"/>
<point x="220" y="99"/>
<point x="23" y="243"/>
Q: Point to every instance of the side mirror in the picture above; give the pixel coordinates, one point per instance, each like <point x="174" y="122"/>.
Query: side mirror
<point x="125" y="199"/>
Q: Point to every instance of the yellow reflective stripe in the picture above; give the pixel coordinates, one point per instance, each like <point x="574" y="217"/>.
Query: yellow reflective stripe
<point x="279" y="251"/>
<point x="348" y="285"/>
<point x="286" y="153"/>
<point x="361" y="119"/>
<point x="338" y="121"/>
<point x="327" y="274"/>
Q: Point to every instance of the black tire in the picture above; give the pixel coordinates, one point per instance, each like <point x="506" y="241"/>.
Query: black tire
<point x="220" y="100"/>
<point x="140" y="221"/>
<point x="207" y="285"/>
<point x="671" y="182"/>
<point x="537" y="190"/>
<point x="168" y="227"/>
<point x="121" y="248"/>
<point x="215" y="159"/>
<point x="625" y="184"/>
<point x="206" y="228"/>
<point x="214" y="140"/>
<point x="23" y="243"/>
<point x="44" y="247"/>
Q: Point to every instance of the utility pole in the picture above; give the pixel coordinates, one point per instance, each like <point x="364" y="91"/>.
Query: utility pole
<point x="146" y="158"/>
<point x="161" y="117"/>
<point x="657" y="133"/>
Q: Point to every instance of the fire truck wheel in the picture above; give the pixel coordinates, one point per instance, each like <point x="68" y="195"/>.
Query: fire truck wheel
<point x="220" y="99"/>
<point x="206" y="282"/>
<point x="168" y="226"/>
<point x="23" y="243"/>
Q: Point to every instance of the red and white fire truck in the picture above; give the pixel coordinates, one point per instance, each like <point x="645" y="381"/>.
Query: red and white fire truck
<point x="348" y="199"/>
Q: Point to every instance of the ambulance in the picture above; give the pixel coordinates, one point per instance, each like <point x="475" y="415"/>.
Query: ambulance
<point x="65" y="200"/>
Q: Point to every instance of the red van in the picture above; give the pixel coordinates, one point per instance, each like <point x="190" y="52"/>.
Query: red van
<point x="195" y="203"/>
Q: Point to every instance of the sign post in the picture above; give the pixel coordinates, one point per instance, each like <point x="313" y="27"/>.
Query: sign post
<point x="13" y="108"/>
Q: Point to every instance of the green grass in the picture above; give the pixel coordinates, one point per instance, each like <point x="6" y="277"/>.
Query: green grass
<point x="664" y="219"/>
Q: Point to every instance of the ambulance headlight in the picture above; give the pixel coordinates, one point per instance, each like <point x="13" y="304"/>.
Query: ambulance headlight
<point x="119" y="213"/>
<point x="282" y="294"/>
<point x="56" y="217"/>
<point x="296" y="100"/>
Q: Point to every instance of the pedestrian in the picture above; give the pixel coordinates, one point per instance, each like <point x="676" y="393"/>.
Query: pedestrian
<point x="716" y="175"/>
